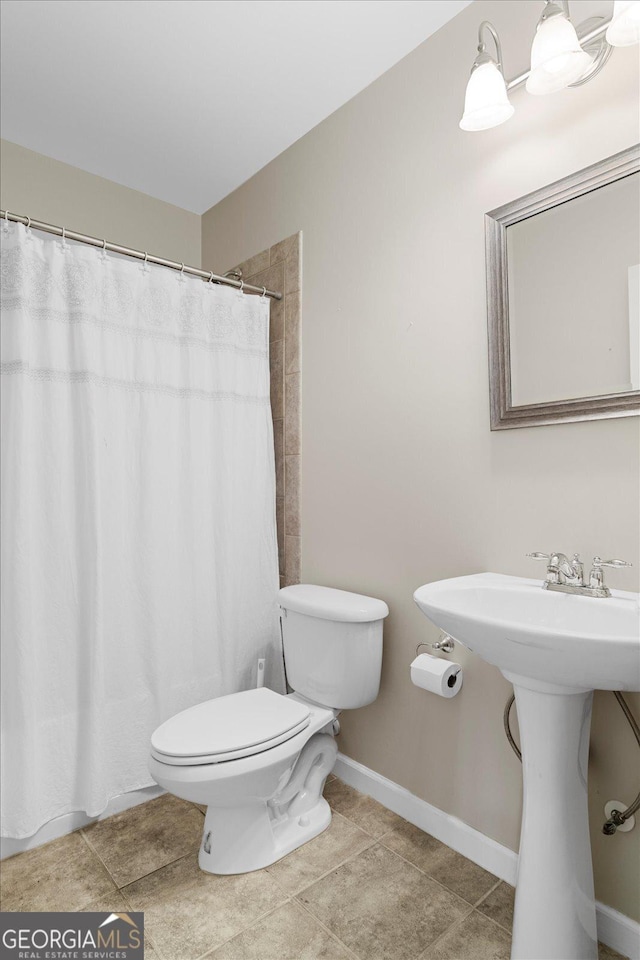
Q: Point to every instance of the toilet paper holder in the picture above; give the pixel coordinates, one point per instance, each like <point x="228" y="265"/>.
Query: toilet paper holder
<point x="445" y="643"/>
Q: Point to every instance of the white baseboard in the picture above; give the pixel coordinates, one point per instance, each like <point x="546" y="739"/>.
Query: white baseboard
<point x="614" y="928"/>
<point x="75" y="821"/>
<point x="618" y="931"/>
<point x="484" y="851"/>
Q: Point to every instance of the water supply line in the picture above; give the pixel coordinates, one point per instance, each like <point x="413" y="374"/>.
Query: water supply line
<point x="507" y="727"/>
<point x="617" y="817"/>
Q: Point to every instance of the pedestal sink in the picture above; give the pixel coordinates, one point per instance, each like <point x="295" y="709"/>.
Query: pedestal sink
<point x="556" y="649"/>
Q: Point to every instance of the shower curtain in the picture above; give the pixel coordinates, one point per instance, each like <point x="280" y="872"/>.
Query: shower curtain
<point x="139" y="557"/>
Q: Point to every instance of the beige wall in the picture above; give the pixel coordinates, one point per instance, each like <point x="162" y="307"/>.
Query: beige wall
<point x="402" y="481"/>
<point x="45" y="189"/>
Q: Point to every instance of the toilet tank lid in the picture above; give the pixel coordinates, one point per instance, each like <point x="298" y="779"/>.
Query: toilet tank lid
<point x="327" y="603"/>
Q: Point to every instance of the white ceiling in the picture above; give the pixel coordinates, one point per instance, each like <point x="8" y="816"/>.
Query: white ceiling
<point x="186" y="99"/>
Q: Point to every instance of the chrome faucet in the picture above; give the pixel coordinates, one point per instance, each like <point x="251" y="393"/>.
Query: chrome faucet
<point x="567" y="576"/>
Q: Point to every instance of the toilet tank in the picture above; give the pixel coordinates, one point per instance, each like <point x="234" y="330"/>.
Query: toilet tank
<point x="332" y="644"/>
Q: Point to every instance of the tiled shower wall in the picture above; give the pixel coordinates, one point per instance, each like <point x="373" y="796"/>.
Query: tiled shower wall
<point x="279" y="268"/>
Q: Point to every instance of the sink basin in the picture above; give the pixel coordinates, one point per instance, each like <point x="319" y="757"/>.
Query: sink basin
<point x="555" y="648"/>
<point x="582" y="642"/>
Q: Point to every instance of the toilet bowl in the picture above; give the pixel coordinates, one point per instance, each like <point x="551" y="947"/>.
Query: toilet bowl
<point x="258" y="759"/>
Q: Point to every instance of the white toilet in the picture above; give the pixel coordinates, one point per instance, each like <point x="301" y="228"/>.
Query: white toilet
<point x="259" y="759"/>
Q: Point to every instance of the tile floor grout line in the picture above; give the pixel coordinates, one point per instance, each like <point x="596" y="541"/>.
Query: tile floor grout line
<point x="460" y="921"/>
<point x="472" y="906"/>
<point x="328" y="930"/>
<point x="485" y="895"/>
<point x="456" y="923"/>
<point x="97" y="856"/>
<point x="132" y="909"/>
<point x="392" y="829"/>
<point x="448" y="890"/>
<point x="137" y="808"/>
<point x="381" y="840"/>
<point x="508" y="930"/>
<point x="497" y="924"/>
<point x="322" y="876"/>
<point x="147" y="938"/>
<point x="239" y="933"/>
<point x="154" y="946"/>
<point x="465" y="916"/>
<point x="130" y="883"/>
<point x="355" y="822"/>
<point x="399" y="855"/>
<point x="331" y="869"/>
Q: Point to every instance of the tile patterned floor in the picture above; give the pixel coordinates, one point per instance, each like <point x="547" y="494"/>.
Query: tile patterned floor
<point x="371" y="887"/>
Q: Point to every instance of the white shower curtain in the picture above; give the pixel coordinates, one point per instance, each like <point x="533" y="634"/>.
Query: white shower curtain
<point x="139" y="558"/>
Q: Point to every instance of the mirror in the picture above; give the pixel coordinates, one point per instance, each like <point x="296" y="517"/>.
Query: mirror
<point x="563" y="287"/>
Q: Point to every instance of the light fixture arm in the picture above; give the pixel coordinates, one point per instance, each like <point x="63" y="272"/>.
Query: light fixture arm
<point x="482" y="47"/>
<point x="562" y="4"/>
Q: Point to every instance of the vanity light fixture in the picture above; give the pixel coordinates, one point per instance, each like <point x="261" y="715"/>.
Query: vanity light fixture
<point x="624" y="29"/>
<point x="557" y="59"/>
<point x="561" y="56"/>
<point x="486" y="103"/>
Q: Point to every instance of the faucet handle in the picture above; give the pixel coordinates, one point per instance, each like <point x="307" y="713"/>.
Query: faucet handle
<point x="596" y="577"/>
<point x="597" y="562"/>
<point x="539" y="556"/>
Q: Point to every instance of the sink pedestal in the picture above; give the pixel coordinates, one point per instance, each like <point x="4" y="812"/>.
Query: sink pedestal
<point x="555" y="915"/>
<point x="556" y="648"/>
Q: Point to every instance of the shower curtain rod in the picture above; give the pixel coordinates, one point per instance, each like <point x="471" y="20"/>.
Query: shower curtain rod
<point x="138" y="254"/>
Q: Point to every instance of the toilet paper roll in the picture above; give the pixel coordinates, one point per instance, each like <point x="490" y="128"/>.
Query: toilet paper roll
<point x="436" y="675"/>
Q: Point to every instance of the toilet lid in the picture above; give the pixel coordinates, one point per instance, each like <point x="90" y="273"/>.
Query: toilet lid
<point x="226" y="728"/>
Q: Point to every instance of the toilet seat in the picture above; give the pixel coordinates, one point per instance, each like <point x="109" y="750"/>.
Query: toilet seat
<point x="228" y="728"/>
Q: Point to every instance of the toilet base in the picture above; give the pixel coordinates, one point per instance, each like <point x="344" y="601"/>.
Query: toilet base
<point x="250" y="833"/>
<point x="247" y="838"/>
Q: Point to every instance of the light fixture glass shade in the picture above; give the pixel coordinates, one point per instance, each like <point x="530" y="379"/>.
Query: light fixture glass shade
<point x="486" y="103"/>
<point x="624" y="29"/>
<point x="557" y="59"/>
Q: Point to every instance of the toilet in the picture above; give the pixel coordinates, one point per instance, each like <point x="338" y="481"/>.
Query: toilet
<point x="258" y="759"/>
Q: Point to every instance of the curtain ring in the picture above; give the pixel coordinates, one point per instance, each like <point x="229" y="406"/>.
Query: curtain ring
<point x="64" y="234"/>
<point x="263" y="294"/>
<point x="241" y="287"/>
<point x="146" y="257"/>
<point x="210" y="280"/>
<point x="28" y="223"/>
<point x="182" y="270"/>
<point x="104" y="246"/>
<point x="5" y="229"/>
